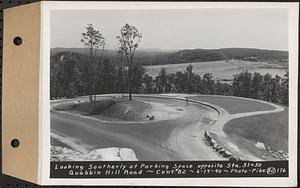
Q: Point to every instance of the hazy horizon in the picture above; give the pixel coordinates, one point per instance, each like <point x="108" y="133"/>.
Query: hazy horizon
<point x="265" y="29"/>
<point x="160" y="49"/>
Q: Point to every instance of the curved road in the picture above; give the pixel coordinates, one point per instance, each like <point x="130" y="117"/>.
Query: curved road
<point x="180" y="138"/>
<point x="173" y="139"/>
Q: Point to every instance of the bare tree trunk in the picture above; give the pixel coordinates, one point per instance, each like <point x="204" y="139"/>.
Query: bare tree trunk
<point x="91" y="72"/>
<point x="130" y="79"/>
<point x="90" y="83"/>
<point x="93" y="84"/>
<point x="94" y="93"/>
<point x="122" y="76"/>
<point x="130" y="83"/>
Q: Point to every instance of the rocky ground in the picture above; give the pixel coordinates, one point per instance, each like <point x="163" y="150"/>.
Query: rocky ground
<point x="59" y="153"/>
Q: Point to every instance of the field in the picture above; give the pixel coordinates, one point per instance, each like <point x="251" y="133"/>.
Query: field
<point x="271" y="129"/>
<point x="220" y="69"/>
<point x="250" y="123"/>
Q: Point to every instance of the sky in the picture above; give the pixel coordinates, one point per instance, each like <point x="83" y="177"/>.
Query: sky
<point x="177" y="29"/>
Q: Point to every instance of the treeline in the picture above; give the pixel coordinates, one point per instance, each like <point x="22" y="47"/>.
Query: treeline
<point x="70" y="78"/>
<point x="263" y="87"/>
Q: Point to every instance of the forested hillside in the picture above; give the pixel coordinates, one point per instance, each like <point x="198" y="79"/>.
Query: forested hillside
<point x="161" y="57"/>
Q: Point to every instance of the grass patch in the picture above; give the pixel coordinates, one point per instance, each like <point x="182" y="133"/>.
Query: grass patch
<point x="127" y="110"/>
<point x="94" y="108"/>
<point x="234" y="105"/>
<point x="271" y="129"/>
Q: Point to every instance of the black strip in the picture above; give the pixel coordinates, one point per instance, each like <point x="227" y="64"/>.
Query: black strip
<point x="168" y="169"/>
<point x="10" y="182"/>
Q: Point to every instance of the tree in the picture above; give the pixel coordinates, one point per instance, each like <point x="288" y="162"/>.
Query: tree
<point x="62" y="77"/>
<point x="120" y="52"/>
<point x="209" y="84"/>
<point x="170" y="83"/>
<point x="190" y="79"/>
<point x="241" y="84"/>
<point x="129" y="40"/>
<point x="256" y="86"/>
<point x="162" y="80"/>
<point x="180" y="81"/>
<point x="247" y="76"/>
<point x="138" y="72"/>
<point x="267" y="93"/>
<point x="275" y="89"/>
<point x="68" y="77"/>
<point x="148" y="83"/>
<point x="93" y="40"/>
<point x="284" y="89"/>
<point x="198" y="84"/>
<point x="108" y="75"/>
<point x="223" y="88"/>
<point x="120" y="73"/>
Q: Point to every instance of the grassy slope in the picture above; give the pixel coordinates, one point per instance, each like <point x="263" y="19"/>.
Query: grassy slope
<point x="109" y="109"/>
<point x="271" y="129"/>
<point x="234" y="105"/>
<point x="127" y="110"/>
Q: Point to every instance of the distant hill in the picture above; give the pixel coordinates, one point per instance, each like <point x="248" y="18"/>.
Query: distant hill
<point x="161" y="57"/>
<point x="249" y="54"/>
<point x="83" y="51"/>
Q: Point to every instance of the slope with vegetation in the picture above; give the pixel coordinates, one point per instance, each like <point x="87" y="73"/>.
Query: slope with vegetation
<point x="270" y="129"/>
<point x="161" y="57"/>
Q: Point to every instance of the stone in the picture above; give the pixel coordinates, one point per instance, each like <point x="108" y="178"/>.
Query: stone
<point x="105" y="154"/>
<point x="260" y="145"/>
<point x="227" y="154"/>
<point x="221" y="151"/>
<point x="231" y="158"/>
<point x="218" y="148"/>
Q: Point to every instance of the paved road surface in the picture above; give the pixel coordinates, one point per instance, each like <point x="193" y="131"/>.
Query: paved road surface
<point x="175" y="139"/>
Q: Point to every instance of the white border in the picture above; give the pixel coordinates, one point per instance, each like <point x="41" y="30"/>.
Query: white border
<point x="44" y="152"/>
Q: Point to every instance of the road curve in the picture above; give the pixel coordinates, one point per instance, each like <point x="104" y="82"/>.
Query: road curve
<point x="174" y="139"/>
<point x="178" y="139"/>
<point x="86" y="134"/>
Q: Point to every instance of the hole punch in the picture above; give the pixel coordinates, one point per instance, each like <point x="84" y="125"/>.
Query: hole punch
<point x="15" y="143"/>
<point x="18" y="41"/>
